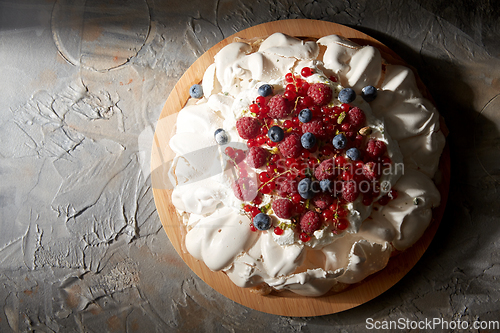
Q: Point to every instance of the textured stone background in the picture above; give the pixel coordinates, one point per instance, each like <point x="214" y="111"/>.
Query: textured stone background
<point x="81" y="246"/>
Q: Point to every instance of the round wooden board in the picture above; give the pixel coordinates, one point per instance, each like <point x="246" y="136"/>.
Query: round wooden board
<point x="285" y="303"/>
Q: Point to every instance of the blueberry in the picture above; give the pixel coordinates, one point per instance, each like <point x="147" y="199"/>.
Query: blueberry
<point x="276" y="134"/>
<point x="305" y="116"/>
<point x="265" y="90"/>
<point x="262" y="221"/>
<point x="369" y="93"/>
<point x="308" y="188"/>
<point x="339" y="141"/>
<point x="196" y="91"/>
<point x="308" y="140"/>
<point x="221" y="136"/>
<point x="347" y="95"/>
<point x="353" y="154"/>
<point x="326" y="185"/>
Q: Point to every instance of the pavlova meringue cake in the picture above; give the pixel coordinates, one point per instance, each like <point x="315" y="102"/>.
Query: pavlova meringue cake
<point x="303" y="165"/>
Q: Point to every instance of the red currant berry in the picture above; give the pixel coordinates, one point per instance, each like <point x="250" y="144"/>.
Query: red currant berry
<point x="289" y="77"/>
<point x="332" y="78"/>
<point x="342" y="224"/>
<point x="271" y="143"/>
<point x="278" y="231"/>
<point x="306" y="72"/>
<point x="264" y="177"/>
<point x="247" y="208"/>
<point x="229" y="151"/>
<point x="345" y="127"/>
<point x="258" y="200"/>
<point x="290" y="161"/>
<point x="254" y="211"/>
<point x="252" y="227"/>
<point x="327" y="215"/>
<point x="296" y="198"/>
<point x="345" y="107"/>
<point x="252" y="143"/>
<point x="304" y="237"/>
<point x="290" y="95"/>
<point x="340" y="160"/>
<point x="287" y="123"/>
<point x="260" y="100"/>
<point x="254" y="108"/>
<point x="274" y="158"/>
<point x="261" y="140"/>
<point x="239" y="156"/>
<point x="347" y="175"/>
<point x="393" y="194"/>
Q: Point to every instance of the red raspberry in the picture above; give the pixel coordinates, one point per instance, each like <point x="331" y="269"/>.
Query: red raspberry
<point x="350" y="191"/>
<point x="248" y="127"/>
<point x="283" y="208"/>
<point x="245" y="189"/>
<point x="320" y="93"/>
<point x="291" y="146"/>
<point x="279" y="107"/>
<point x="287" y="187"/>
<point x="310" y="222"/>
<point x="315" y="127"/>
<point x="356" y="117"/>
<point x="322" y="200"/>
<point x="375" y="148"/>
<point x="371" y="171"/>
<point x="326" y="170"/>
<point x="257" y="157"/>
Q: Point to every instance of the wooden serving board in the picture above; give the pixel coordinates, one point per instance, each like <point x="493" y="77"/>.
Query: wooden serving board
<point x="285" y="303"/>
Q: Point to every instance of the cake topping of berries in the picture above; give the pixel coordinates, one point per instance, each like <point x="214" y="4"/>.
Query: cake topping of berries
<point x="320" y="93"/>
<point x="291" y="146"/>
<point x="310" y="222"/>
<point x="279" y="107"/>
<point x="283" y="208"/>
<point x="313" y="156"/>
<point x="257" y="157"/>
<point x="248" y="127"/>
<point x="262" y="222"/>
